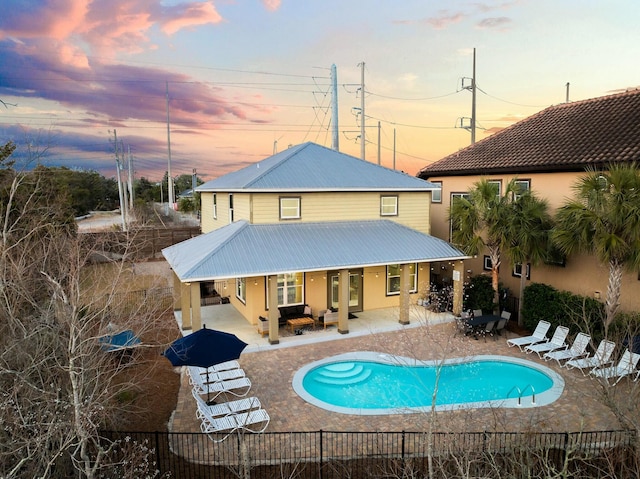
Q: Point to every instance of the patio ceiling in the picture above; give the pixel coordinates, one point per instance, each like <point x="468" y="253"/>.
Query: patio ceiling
<point x="242" y="249"/>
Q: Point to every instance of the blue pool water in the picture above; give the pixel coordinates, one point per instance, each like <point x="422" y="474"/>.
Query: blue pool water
<point x="372" y="383"/>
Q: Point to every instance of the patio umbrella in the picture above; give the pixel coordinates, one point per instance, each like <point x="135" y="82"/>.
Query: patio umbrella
<point x="204" y="348"/>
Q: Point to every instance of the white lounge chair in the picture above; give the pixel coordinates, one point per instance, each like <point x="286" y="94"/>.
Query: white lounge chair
<point x="598" y="360"/>
<point x="538" y="336"/>
<point x="225" y="408"/>
<point x="203" y="376"/>
<point x="625" y="367"/>
<point x="237" y="387"/>
<point x="556" y="342"/>
<point x="254" y="421"/>
<point x="577" y="350"/>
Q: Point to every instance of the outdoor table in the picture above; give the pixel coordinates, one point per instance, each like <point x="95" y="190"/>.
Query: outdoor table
<point x="478" y="323"/>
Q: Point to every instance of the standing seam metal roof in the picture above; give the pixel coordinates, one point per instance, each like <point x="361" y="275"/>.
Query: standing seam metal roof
<point x="242" y="249"/>
<point x="312" y="167"/>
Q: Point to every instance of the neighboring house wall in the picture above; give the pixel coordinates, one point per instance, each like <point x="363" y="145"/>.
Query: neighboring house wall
<point x="582" y="274"/>
<point x="264" y="208"/>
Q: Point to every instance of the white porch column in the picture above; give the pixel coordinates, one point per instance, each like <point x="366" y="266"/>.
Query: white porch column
<point x="405" y="302"/>
<point x="273" y="309"/>
<point x="196" y="314"/>
<point x="343" y="301"/>
<point x="185" y="303"/>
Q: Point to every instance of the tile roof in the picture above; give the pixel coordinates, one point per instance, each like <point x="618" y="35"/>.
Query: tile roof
<point x="312" y="167"/>
<point x="566" y="137"/>
<point x="242" y="249"/>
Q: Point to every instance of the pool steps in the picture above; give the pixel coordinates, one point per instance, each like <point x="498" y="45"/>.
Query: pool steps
<point x="344" y="374"/>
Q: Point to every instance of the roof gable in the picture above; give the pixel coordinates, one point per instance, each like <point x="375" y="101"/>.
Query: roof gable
<point x="567" y="137"/>
<point x="312" y="167"/>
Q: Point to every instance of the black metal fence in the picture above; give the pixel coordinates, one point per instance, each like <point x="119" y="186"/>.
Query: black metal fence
<point x="332" y="455"/>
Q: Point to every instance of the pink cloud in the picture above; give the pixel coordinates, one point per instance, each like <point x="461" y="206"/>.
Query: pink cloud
<point x="495" y="23"/>
<point x="189" y="15"/>
<point x="272" y="5"/>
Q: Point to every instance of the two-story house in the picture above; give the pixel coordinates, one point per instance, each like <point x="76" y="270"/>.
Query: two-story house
<point x="547" y="152"/>
<point x="312" y="226"/>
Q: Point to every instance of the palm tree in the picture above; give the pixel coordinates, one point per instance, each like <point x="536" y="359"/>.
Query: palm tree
<point x="603" y="218"/>
<point x="527" y="234"/>
<point x="478" y="221"/>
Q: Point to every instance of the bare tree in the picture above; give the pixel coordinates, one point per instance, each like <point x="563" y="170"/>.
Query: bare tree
<point x="58" y="387"/>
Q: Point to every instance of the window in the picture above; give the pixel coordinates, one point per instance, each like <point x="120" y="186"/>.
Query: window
<point x="241" y="289"/>
<point x="436" y="195"/>
<point x="289" y="208"/>
<point x="230" y="207"/>
<point x="498" y="185"/>
<point x="388" y="206"/>
<point x="487" y="263"/>
<point x="393" y="279"/>
<point x="517" y="270"/>
<point x="290" y="289"/>
<point x="215" y="206"/>
<point x="522" y="186"/>
<point x="455" y="197"/>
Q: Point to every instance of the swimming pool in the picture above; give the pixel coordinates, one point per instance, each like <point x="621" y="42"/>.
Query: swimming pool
<point x="370" y="383"/>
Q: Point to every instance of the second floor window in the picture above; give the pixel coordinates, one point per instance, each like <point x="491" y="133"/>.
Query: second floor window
<point x="215" y="206"/>
<point x="289" y="208"/>
<point x="388" y="206"/>
<point x="436" y="195"/>
<point x="230" y="207"/>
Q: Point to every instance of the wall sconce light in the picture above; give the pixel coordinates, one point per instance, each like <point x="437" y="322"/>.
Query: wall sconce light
<point x="596" y="294"/>
<point x="377" y="274"/>
<point x="255" y="282"/>
<point x="312" y="278"/>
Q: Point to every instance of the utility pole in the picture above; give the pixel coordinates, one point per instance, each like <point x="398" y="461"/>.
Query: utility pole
<point x="130" y="181"/>
<point x="363" y="138"/>
<point x="120" y="192"/>
<point x="473" y="100"/>
<point x="567" y="97"/>
<point x="169" y="177"/>
<point x="379" y="159"/>
<point x="335" y="142"/>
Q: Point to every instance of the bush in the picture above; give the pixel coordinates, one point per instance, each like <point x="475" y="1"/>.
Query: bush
<point x="478" y="294"/>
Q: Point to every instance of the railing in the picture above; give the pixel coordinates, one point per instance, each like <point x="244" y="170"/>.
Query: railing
<point x="330" y="454"/>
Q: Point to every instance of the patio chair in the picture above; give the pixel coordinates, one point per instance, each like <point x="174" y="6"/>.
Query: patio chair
<point x="557" y="341"/>
<point x="225" y="408"/>
<point x="477" y="313"/>
<point x="598" y="360"/>
<point x="625" y="367"/>
<point x="487" y="329"/>
<point x="539" y="335"/>
<point x="462" y="327"/>
<point x="502" y="323"/>
<point x="577" y="350"/>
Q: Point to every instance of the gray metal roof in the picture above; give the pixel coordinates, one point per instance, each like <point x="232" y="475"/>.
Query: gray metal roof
<point x="312" y="167"/>
<point x="242" y="249"/>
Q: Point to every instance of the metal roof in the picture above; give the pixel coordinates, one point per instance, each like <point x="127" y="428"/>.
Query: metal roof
<point x="242" y="249"/>
<point x="312" y="167"/>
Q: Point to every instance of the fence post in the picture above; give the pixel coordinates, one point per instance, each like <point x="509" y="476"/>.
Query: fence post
<point x="157" y="438"/>
<point x="402" y="453"/>
<point x="321" y="462"/>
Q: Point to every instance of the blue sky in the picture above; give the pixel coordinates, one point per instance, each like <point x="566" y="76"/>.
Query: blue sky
<point x="248" y="77"/>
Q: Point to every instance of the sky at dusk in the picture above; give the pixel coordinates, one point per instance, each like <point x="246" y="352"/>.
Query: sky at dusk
<point x="246" y="78"/>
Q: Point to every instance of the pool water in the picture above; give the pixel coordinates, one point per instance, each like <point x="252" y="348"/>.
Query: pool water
<point x="371" y="383"/>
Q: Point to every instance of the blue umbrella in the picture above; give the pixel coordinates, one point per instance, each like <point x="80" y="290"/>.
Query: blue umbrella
<point x="204" y="348"/>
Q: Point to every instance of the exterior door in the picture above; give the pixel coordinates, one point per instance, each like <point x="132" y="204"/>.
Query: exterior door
<point x="355" y="290"/>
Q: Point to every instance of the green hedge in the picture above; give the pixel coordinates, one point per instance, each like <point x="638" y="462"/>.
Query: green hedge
<point x="579" y="313"/>
<point x="478" y="294"/>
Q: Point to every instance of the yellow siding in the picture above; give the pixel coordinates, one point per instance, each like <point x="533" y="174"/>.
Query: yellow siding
<point x="413" y="208"/>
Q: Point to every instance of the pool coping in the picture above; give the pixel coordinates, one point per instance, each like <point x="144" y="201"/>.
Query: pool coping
<point x="541" y="399"/>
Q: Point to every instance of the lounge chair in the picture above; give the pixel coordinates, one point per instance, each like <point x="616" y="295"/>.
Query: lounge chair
<point x="237" y="387"/>
<point x="577" y="350"/>
<point x="625" y="367"/>
<point x="224" y="366"/>
<point x="556" y="342"/>
<point x="538" y="336"/>
<point x="598" y="360"/>
<point x="203" y="376"/>
<point x="223" y="426"/>
<point x="225" y="408"/>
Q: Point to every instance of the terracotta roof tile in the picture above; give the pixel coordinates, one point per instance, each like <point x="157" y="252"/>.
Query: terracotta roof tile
<point x="566" y="137"/>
